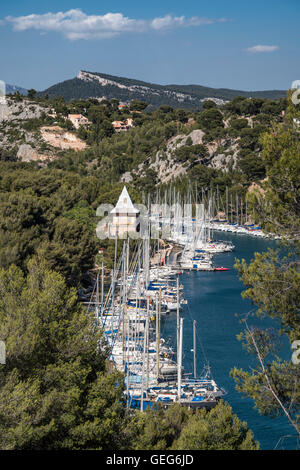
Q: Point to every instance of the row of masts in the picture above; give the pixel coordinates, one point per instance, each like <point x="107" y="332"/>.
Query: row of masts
<point x="119" y="293"/>
<point x="231" y="205"/>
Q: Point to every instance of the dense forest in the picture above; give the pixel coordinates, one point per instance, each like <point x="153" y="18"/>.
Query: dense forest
<point x="57" y="390"/>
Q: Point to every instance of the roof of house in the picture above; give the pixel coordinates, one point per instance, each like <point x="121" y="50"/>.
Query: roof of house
<point x="77" y="116"/>
<point x="124" y="204"/>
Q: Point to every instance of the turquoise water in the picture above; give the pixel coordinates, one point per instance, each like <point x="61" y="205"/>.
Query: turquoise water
<point x="214" y="300"/>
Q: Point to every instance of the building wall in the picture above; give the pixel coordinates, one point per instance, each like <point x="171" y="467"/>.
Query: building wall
<point x="123" y="224"/>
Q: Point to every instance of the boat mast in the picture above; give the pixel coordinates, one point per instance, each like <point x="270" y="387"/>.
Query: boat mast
<point x="194" y="348"/>
<point x="114" y="274"/>
<point x="97" y="295"/>
<point x="122" y="302"/>
<point x="147" y="344"/>
<point x="143" y="373"/>
<point x="127" y="264"/>
<point x="158" y="333"/>
<point x="177" y="319"/>
<point x="102" y="287"/>
<point x="179" y="365"/>
<point x="227" y="203"/>
<point x="116" y="248"/>
<point x="241" y="211"/>
<point x="209" y="217"/>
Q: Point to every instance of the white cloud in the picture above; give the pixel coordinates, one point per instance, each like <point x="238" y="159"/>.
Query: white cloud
<point x="261" y="48"/>
<point x="167" y="21"/>
<point x="75" y="24"/>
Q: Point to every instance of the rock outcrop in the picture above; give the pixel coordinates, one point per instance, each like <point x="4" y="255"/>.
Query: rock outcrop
<point x="57" y="137"/>
<point x="21" y="111"/>
<point x="26" y="153"/>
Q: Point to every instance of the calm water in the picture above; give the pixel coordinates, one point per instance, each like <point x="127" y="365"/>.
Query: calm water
<point x="214" y="299"/>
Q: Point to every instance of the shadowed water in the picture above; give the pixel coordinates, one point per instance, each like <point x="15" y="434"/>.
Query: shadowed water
<point x="214" y="300"/>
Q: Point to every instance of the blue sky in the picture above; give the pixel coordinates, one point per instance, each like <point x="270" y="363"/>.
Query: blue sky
<point x="248" y="45"/>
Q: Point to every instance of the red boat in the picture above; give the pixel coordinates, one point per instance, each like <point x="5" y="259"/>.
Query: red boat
<point x="221" y="269"/>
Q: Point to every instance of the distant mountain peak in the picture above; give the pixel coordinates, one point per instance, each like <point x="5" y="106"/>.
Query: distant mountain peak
<point x="13" y="89"/>
<point x="134" y="88"/>
<point x="90" y="77"/>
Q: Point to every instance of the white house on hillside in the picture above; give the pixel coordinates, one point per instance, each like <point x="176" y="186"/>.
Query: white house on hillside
<point x="122" y="125"/>
<point x="78" y="120"/>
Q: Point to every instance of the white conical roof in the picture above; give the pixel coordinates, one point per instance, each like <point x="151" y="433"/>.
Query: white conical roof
<point x="124" y="204"/>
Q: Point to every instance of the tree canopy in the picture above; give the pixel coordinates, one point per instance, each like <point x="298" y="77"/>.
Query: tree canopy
<point x="272" y="279"/>
<point x="180" y="428"/>
<point x="56" y="390"/>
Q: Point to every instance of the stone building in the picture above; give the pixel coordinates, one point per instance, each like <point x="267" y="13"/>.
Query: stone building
<point x="124" y="217"/>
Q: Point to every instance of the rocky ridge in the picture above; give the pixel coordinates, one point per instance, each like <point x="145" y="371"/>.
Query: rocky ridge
<point x="167" y="168"/>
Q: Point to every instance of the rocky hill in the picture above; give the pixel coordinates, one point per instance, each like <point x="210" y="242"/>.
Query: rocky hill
<point x="25" y="135"/>
<point x="219" y="145"/>
<point x="99" y="85"/>
<point x="167" y="168"/>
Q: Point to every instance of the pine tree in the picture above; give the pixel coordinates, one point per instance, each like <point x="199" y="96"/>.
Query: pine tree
<point x="56" y="389"/>
<point x="273" y="278"/>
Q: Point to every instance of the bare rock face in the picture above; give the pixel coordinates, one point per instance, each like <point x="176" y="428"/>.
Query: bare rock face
<point x="127" y="178"/>
<point x="211" y="148"/>
<point x="196" y="136"/>
<point x="20" y="111"/>
<point x="58" y="137"/>
<point x="27" y="154"/>
<point x="164" y="163"/>
<point x="220" y="161"/>
<point x="179" y="140"/>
